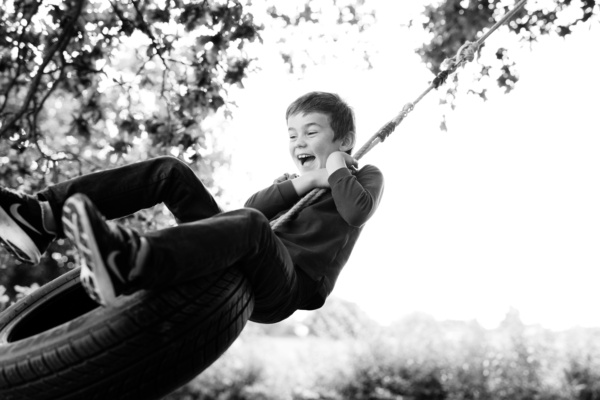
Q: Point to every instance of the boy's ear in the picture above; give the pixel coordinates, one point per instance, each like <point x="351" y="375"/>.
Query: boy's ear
<point x="347" y="142"/>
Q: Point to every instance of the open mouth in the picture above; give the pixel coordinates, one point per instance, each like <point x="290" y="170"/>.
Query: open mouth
<point x="304" y="158"/>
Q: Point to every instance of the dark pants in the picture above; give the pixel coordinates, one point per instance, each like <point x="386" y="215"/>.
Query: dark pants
<point x="206" y="240"/>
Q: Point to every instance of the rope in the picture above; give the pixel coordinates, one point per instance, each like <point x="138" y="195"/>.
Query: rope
<point x="466" y="53"/>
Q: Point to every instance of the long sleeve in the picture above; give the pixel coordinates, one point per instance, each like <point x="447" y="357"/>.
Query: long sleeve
<point x="356" y="199"/>
<point x="274" y="199"/>
<point x="321" y="237"/>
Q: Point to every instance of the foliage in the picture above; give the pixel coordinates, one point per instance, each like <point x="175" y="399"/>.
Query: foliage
<point x="88" y="84"/>
<point x="340" y="319"/>
<point x="417" y="358"/>
<point x="144" y="72"/>
<point x="231" y="379"/>
<point x="337" y="25"/>
<point x="451" y="23"/>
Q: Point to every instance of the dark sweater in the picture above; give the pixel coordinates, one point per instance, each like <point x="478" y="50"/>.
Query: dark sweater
<point x="321" y="237"/>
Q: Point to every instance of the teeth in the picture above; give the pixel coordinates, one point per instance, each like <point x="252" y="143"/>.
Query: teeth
<point x="304" y="157"/>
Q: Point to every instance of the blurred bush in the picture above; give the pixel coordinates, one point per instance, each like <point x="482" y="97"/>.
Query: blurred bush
<point x="418" y="358"/>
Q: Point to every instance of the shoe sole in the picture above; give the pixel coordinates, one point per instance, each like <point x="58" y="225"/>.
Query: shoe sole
<point x="17" y="241"/>
<point x="94" y="274"/>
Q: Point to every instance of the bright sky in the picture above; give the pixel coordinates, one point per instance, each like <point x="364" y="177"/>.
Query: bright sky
<point x="501" y="211"/>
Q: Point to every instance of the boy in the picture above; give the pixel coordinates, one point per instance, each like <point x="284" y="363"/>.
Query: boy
<point x="292" y="268"/>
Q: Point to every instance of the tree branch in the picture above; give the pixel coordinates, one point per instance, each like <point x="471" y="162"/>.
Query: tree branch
<point x="19" y="65"/>
<point x="148" y="32"/>
<point x="60" y="45"/>
<point x="58" y="80"/>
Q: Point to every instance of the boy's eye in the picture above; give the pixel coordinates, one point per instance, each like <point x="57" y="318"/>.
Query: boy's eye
<point x="312" y="133"/>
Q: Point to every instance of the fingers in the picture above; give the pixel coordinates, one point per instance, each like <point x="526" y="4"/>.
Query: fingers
<point x="285" y="177"/>
<point x="351" y="162"/>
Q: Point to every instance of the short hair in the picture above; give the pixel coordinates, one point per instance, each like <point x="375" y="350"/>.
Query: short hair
<point x="341" y="115"/>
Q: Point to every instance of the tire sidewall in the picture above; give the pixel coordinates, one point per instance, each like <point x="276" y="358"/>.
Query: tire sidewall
<point x="143" y="317"/>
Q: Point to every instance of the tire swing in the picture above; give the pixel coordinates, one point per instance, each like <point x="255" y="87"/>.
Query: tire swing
<point x="56" y="343"/>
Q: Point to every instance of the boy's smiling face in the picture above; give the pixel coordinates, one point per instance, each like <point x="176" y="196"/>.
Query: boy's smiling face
<point x="311" y="140"/>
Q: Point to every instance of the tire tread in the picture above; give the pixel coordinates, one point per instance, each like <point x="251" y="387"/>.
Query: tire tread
<point x="132" y="345"/>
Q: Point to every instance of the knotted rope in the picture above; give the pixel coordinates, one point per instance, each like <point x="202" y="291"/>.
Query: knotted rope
<point x="466" y="53"/>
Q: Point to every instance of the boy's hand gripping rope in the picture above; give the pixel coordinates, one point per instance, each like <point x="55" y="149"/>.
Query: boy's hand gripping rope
<point x="465" y="53"/>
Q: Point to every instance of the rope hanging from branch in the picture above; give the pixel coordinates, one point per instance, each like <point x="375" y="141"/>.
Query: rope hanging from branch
<point x="466" y="53"/>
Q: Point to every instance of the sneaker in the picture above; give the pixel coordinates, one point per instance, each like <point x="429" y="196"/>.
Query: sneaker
<point x="22" y="230"/>
<point x="106" y="250"/>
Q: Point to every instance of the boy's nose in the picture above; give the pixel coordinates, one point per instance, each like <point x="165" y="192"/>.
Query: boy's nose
<point x="300" y="142"/>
